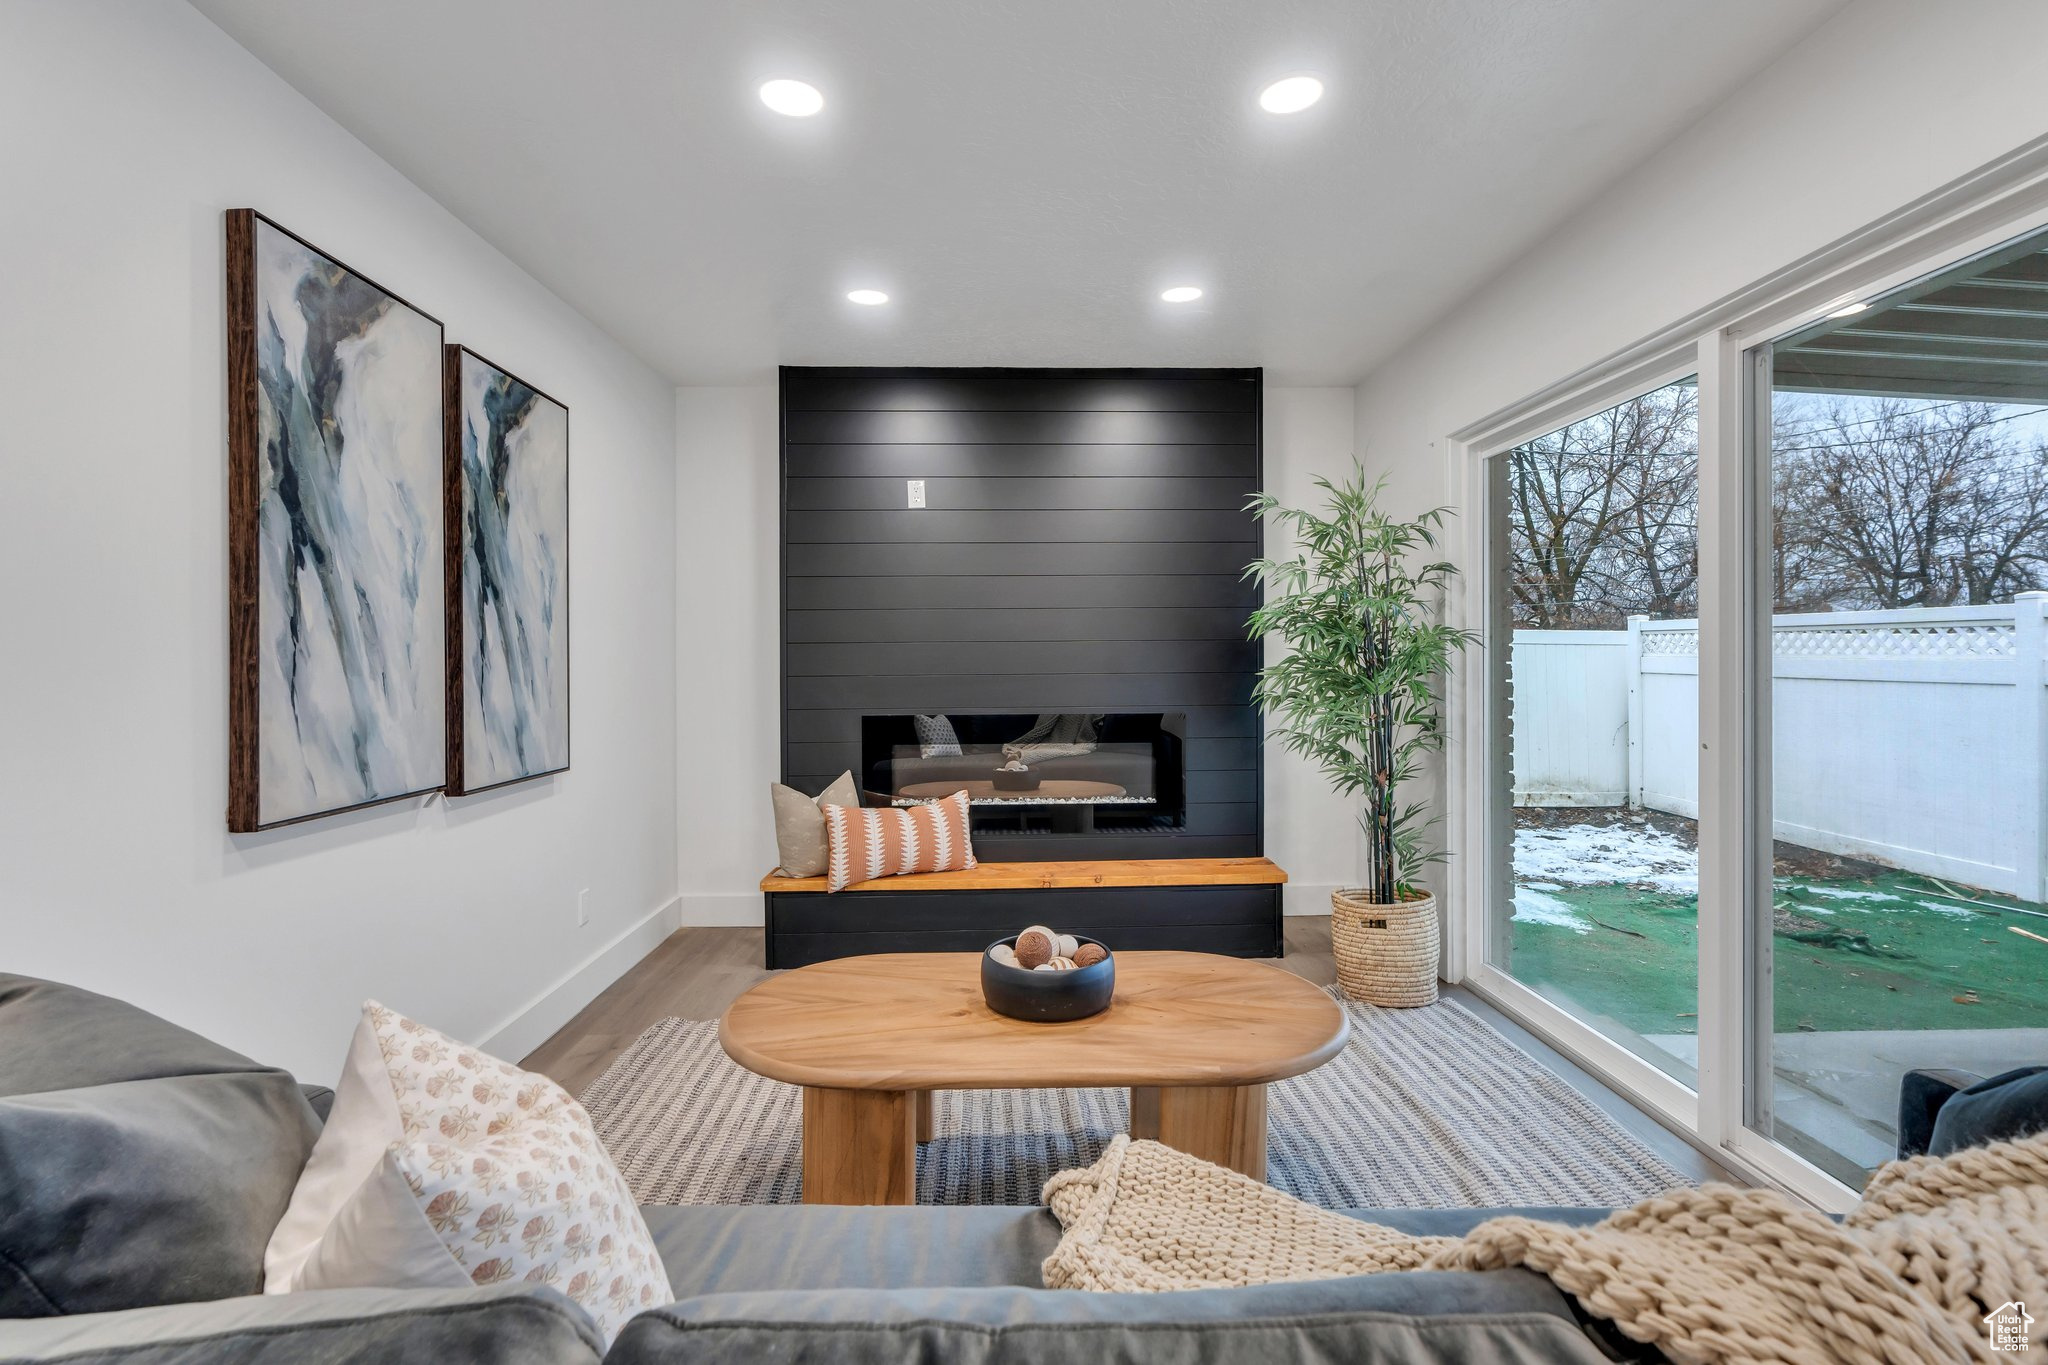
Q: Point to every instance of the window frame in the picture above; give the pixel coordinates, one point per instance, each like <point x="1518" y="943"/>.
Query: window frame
<point x="1720" y="344"/>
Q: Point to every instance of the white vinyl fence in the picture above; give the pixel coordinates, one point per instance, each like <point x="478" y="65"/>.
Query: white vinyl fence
<point x="1916" y="737"/>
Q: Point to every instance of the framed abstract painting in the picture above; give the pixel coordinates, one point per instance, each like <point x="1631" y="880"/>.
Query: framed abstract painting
<point x="507" y="500"/>
<point x="336" y="603"/>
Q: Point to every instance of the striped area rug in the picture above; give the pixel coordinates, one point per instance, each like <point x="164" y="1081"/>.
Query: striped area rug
<point x="1424" y="1108"/>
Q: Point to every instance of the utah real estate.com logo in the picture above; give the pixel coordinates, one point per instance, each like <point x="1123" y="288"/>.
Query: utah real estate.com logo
<point x="2005" y="1328"/>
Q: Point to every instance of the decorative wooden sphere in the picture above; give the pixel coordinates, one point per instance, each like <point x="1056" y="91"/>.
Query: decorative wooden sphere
<point x="1065" y="944"/>
<point x="1034" y="949"/>
<point x="1004" y="954"/>
<point x="1088" y="954"/>
<point x="1061" y="964"/>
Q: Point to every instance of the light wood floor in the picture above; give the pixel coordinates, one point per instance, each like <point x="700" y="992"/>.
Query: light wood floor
<point x="697" y="972"/>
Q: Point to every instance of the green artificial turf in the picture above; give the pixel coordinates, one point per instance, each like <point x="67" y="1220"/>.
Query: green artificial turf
<point x="1841" y="962"/>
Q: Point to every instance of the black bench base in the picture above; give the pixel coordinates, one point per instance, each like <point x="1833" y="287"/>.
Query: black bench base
<point x="813" y="926"/>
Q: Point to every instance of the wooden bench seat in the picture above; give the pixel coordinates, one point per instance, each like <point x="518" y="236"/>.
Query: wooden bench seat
<point x="1219" y="905"/>
<point x="1012" y="876"/>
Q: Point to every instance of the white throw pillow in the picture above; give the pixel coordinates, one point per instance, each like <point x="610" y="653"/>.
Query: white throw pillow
<point x="441" y="1166"/>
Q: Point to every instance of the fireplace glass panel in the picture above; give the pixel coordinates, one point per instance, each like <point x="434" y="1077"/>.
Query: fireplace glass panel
<point x="1051" y="772"/>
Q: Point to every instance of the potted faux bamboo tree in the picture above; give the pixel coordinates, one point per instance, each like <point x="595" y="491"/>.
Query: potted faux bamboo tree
<point x="1358" y="607"/>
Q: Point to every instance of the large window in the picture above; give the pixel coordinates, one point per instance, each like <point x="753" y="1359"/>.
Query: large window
<point x="1756" y="816"/>
<point x="1595" y="648"/>
<point x="1907" y="552"/>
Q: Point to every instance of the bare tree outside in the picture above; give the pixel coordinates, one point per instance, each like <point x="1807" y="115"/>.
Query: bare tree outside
<point x="1877" y="503"/>
<point x="1892" y="503"/>
<point x="1603" y="515"/>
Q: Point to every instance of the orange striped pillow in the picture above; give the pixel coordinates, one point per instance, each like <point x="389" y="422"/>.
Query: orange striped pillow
<point x="888" y="842"/>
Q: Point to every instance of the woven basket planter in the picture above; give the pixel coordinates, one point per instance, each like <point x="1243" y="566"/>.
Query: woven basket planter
<point x="1386" y="954"/>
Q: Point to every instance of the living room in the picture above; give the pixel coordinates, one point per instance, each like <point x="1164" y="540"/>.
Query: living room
<point x="1195" y="680"/>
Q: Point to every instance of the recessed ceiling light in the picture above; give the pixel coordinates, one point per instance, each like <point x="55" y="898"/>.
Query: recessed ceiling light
<point x="1181" y="293"/>
<point x="870" y="297"/>
<point x="793" y="98"/>
<point x="1290" y="96"/>
<point x="1848" y="310"/>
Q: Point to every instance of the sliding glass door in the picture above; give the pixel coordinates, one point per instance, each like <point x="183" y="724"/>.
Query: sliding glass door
<point x="1593" y="651"/>
<point x="1905" y="721"/>
<point x="1758" y="757"/>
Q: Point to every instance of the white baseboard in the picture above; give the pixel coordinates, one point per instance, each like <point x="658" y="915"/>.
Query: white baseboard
<point x="1305" y="898"/>
<point x="720" y="908"/>
<point x="540" y="1018"/>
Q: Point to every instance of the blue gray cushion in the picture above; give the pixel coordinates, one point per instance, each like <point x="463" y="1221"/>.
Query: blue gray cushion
<point x="510" y="1325"/>
<point x="2004" y="1107"/>
<point x="1418" y="1318"/>
<point x="722" y="1249"/>
<point x="893" y="1284"/>
<point x="140" y="1164"/>
<point x="726" y="1248"/>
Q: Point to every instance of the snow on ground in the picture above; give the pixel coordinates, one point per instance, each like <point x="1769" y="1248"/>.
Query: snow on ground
<point x="1952" y="911"/>
<point x="1552" y="859"/>
<point x="1604" y="855"/>
<point x="1533" y="907"/>
<point x="1847" y="893"/>
<point x="1874" y="901"/>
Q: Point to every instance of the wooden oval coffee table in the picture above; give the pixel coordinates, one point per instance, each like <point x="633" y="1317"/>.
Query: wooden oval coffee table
<point x="1195" y="1037"/>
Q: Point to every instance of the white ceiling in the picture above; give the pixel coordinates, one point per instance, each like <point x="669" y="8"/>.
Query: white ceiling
<point x="1023" y="176"/>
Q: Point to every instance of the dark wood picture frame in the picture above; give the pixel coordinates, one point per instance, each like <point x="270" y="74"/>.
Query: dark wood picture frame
<point x="453" y="542"/>
<point x="245" y="484"/>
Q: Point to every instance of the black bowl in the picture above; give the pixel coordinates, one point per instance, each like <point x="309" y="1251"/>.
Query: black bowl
<point x="1048" y="997"/>
<point x="1010" y="780"/>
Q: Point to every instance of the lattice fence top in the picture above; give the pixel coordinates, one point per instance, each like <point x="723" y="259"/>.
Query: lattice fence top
<point x="1671" y="642"/>
<point x="1976" y="636"/>
<point x="1947" y="640"/>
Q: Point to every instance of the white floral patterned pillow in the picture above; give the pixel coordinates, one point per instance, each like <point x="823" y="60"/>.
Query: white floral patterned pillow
<point x="442" y="1166"/>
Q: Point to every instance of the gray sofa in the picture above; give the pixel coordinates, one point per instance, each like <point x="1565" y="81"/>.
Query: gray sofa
<point x="142" y="1168"/>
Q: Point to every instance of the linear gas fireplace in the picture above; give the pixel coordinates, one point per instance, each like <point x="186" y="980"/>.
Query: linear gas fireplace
<point x="1072" y="773"/>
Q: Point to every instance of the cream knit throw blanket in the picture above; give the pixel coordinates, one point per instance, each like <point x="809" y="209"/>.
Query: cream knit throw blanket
<point x="1709" y="1274"/>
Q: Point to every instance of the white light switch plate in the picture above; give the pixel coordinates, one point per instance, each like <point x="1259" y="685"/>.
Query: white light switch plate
<point x="916" y="492"/>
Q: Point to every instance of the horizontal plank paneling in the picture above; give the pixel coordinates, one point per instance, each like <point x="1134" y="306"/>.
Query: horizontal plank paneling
<point x="1241" y="817"/>
<point x="1001" y="657"/>
<point x="1012" y="428"/>
<point x="1081" y="548"/>
<point x="968" y="392"/>
<point x="967" y="624"/>
<point x="1028" y="494"/>
<point x="1106" y="562"/>
<point x="894" y="693"/>
<point x="1222" y="755"/>
<point x="1023" y="461"/>
<point x="1216" y="786"/>
<point x="822" y="526"/>
<point x="842" y="725"/>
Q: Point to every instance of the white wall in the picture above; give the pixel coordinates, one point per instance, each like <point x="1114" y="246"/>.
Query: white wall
<point x="1312" y="833"/>
<point x="131" y="127"/>
<point x="1885" y="103"/>
<point x="728" y="652"/>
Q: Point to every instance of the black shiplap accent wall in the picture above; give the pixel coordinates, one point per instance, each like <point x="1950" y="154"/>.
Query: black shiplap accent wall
<point x="1080" y="548"/>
